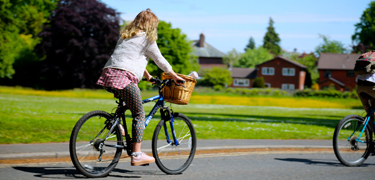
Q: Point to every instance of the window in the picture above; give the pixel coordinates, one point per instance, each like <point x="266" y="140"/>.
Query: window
<point x="350" y="73"/>
<point x="268" y="85"/>
<point x="287" y="86"/>
<point x="327" y="73"/>
<point x="268" y="71"/>
<point x="288" y="72"/>
<point x="241" y="82"/>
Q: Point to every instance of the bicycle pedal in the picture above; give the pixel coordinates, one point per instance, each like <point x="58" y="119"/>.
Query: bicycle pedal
<point x="145" y="165"/>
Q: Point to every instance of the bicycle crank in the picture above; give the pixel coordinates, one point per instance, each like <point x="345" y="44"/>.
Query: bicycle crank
<point x="353" y="141"/>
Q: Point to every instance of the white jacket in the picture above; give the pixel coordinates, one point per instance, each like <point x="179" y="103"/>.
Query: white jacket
<point x="132" y="55"/>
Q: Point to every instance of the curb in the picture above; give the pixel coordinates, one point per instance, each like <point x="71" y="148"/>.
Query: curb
<point x="45" y="155"/>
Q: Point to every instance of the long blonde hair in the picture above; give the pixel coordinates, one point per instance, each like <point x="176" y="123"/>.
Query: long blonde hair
<point x="145" y="21"/>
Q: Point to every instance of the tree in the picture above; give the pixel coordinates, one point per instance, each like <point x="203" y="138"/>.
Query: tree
<point x="231" y="57"/>
<point x="32" y="14"/>
<point x="253" y="57"/>
<point x="77" y="42"/>
<point x="217" y="76"/>
<point x="271" y="39"/>
<point x="251" y="44"/>
<point x="259" y="83"/>
<point x="330" y="46"/>
<point x="365" y="31"/>
<point x="176" y="49"/>
<point x="19" y="19"/>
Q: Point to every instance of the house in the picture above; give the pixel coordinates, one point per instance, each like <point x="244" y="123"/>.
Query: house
<point x="243" y="77"/>
<point x="208" y="56"/>
<point x="337" y="70"/>
<point x="282" y="73"/>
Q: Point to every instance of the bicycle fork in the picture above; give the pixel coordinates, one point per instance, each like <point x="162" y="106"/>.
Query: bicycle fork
<point x="168" y="116"/>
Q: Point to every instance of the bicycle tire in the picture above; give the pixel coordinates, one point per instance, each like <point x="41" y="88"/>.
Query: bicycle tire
<point x="172" y="159"/>
<point x="348" y="151"/>
<point x="84" y="144"/>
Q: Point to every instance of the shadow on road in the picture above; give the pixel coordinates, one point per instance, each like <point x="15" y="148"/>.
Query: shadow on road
<point x="316" y="162"/>
<point x="72" y="173"/>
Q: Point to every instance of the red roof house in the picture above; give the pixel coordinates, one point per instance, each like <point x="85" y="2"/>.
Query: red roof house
<point x="337" y="70"/>
<point x="282" y="73"/>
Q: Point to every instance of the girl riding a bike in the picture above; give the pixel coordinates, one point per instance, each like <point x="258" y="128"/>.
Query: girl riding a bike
<point x="366" y="84"/>
<point x="125" y="68"/>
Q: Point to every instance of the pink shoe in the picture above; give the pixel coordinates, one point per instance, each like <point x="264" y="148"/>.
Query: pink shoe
<point x="141" y="159"/>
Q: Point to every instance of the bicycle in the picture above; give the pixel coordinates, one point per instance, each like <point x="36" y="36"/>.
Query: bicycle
<point x="353" y="138"/>
<point x="96" y="142"/>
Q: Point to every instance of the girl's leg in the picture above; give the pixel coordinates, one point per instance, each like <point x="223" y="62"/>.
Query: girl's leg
<point x="132" y="98"/>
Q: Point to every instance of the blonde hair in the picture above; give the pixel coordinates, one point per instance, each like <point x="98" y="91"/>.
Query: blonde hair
<point x="145" y="21"/>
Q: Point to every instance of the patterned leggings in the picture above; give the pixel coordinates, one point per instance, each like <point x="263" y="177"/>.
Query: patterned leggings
<point x="132" y="97"/>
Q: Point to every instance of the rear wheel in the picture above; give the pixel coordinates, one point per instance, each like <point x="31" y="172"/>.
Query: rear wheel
<point x="170" y="157"/>
<point x="87" y="150"/>
<point x="349" y="149"/>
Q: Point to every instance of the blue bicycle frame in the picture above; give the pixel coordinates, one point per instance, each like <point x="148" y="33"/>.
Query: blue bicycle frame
<point x="367" y="120"/>
<point x="160" y="104"/>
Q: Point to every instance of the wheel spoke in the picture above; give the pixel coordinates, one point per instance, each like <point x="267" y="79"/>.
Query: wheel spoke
<point x="169" y="157"/>
<point x="87" y="141"/>
<point x="163" y="147"/>
<point x="349" y="149"/>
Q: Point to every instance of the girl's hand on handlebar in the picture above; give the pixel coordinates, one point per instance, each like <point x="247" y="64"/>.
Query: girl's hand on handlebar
<point x="177" y="79"/>
<point x="148" y="78"/>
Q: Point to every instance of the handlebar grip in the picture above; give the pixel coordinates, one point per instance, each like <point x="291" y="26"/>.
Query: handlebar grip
<point x="180" y="81"/>
<point x="152" y="80"/>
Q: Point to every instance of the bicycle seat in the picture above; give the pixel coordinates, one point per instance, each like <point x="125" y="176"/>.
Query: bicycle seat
<point x="114" y="91"/>
<point x="365" y="95"/>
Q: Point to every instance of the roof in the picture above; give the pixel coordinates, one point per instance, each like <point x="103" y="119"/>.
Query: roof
<point x="206" y="51"/>
<point x="243" y="73"/>
<point x="333" y="80"/>
<point x="285" y="59"/>
<point x="337" y="61"/>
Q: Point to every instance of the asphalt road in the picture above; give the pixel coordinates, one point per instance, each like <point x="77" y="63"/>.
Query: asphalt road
<point x="230" y="165"/>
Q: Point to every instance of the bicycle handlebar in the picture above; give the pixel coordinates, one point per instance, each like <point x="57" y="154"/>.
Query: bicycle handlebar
<point x="167" y="82"/>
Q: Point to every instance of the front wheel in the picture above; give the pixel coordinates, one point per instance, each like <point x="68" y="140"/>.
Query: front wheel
<point x="90" y="151"/>
<point x="351" y="147"/>
<point x="170" y="157"/>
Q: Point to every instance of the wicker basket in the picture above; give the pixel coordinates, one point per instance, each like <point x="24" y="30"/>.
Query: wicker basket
<point x="178" y="94"/>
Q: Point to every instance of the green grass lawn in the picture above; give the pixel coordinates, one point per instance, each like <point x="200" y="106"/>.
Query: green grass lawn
<point x="49" y="118"/>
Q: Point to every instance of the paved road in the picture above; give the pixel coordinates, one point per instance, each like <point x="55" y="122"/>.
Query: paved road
<point x="218" y="166"/>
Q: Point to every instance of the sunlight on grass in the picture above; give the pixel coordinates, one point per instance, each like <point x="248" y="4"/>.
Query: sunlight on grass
<point x="41" y="118"/>
<point x="276" y="101"/>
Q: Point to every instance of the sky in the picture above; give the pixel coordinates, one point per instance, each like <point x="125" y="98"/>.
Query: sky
<point x="229" y="24"/>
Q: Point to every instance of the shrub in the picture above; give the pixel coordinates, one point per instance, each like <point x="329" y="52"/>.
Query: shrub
<point x="230" y="90"/>
<point x="217" y="76"/>
<point x="239" y="90"/>
<point x="259" y="83"/>
<point x="246" y="91"/>
<point x="277" y="92"/>
<point x="218" y="87"/>
<point x="315" y="86"/>
<point x="325" y="93"/>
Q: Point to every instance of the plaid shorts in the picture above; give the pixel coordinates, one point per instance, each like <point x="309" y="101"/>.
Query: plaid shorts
<point x="116" y="78"/>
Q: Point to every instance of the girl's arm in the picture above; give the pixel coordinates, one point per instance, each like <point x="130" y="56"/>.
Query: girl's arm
<point x="154" y="53"/>
<point x="147" y="75"/>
